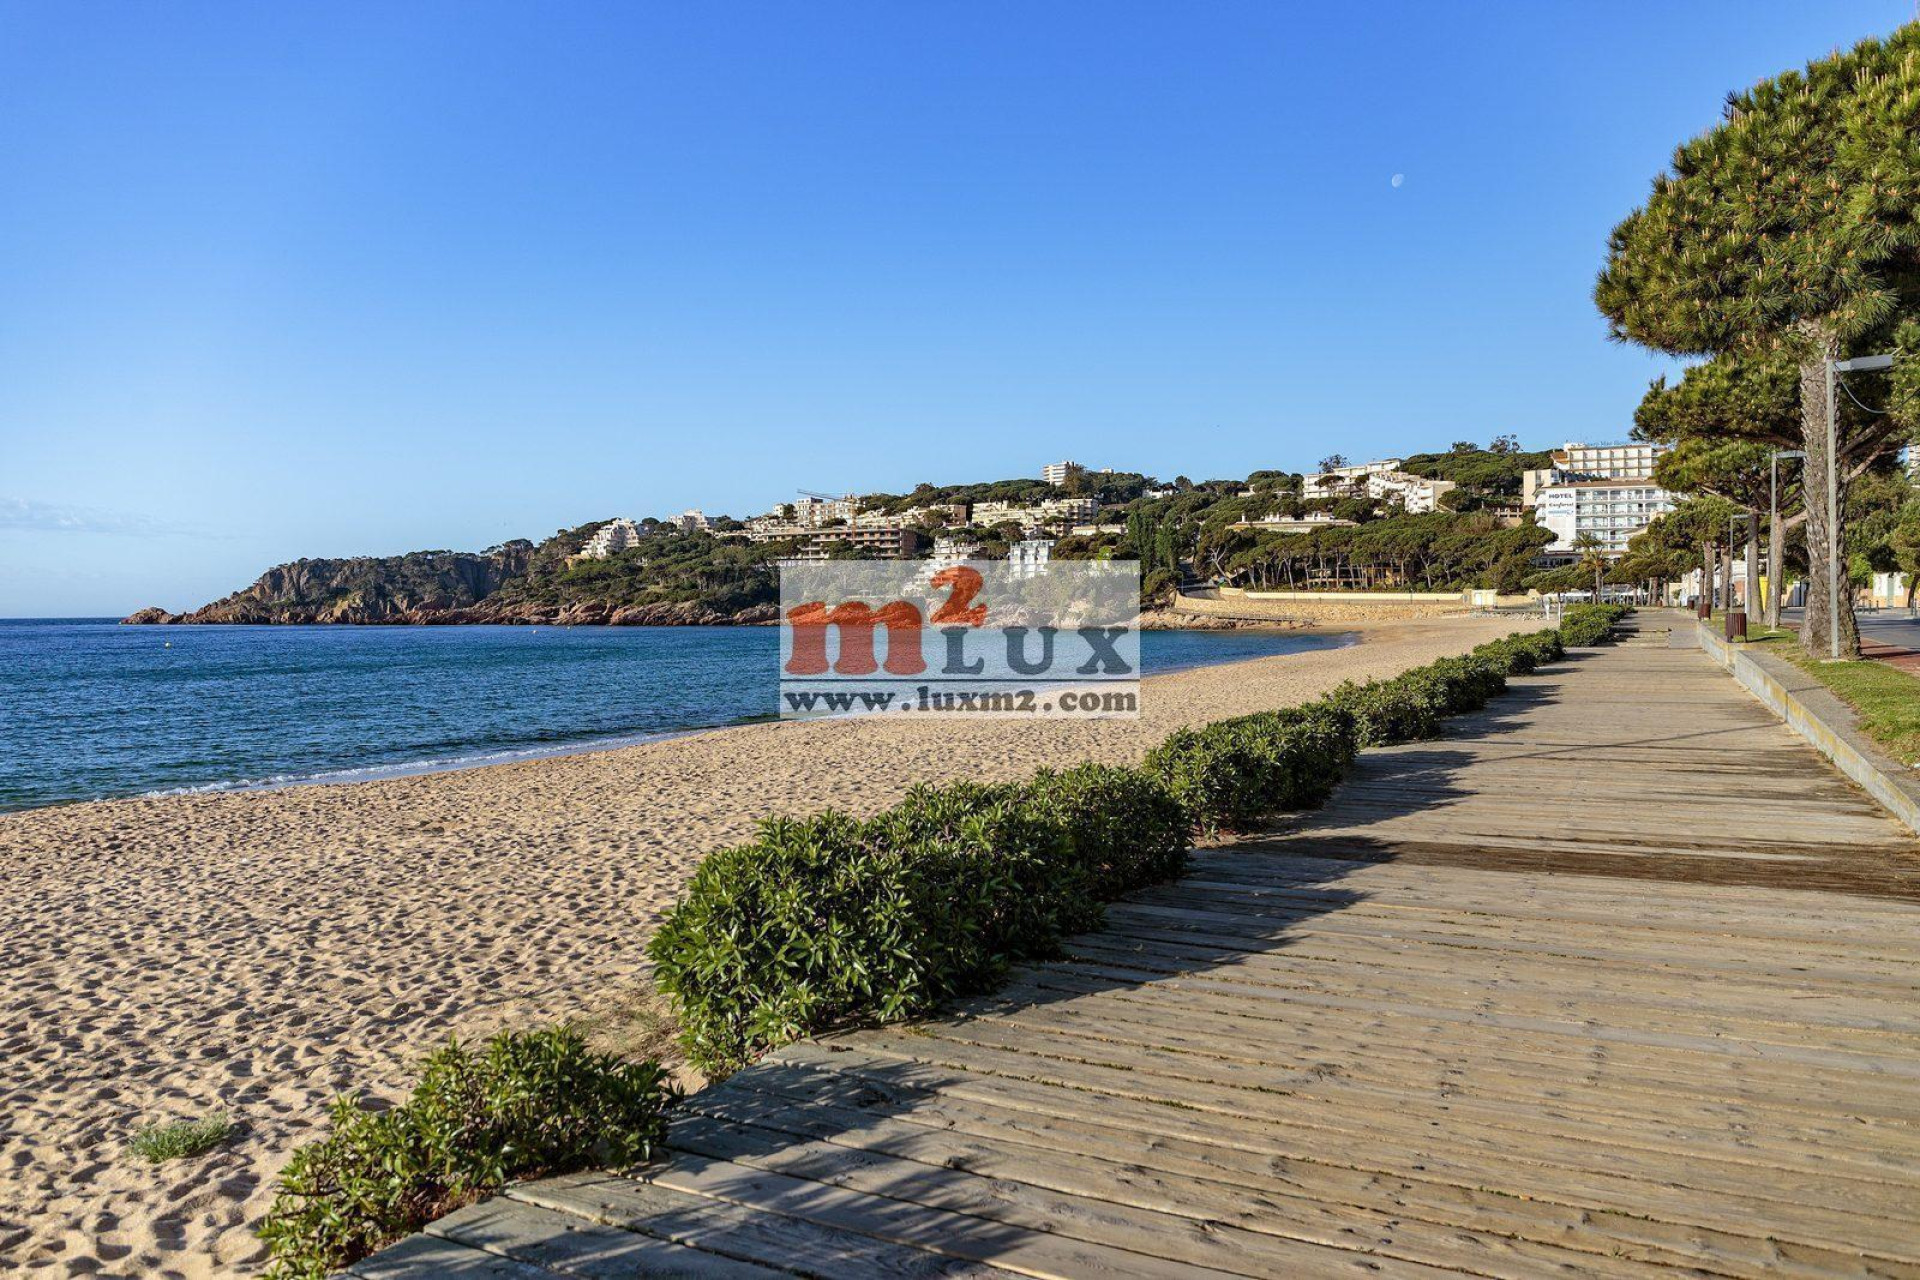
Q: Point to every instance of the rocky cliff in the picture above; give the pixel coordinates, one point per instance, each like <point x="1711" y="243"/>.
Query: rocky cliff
<point x="514" y="583"/>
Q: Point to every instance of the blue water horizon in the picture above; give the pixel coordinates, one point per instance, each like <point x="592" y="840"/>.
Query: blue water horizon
<point x="91" y="709"/>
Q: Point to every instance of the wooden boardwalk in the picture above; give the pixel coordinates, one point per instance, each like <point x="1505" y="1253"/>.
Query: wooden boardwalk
<point x="1618" y="979"/>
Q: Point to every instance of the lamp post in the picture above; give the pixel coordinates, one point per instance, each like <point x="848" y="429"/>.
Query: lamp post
<point x="1776" y="551"/>
<point x="1859" y="364"/>
<point x="1736" y="618"/>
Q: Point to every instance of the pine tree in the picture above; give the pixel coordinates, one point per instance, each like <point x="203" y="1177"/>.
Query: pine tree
<point x="1788" y="230"/>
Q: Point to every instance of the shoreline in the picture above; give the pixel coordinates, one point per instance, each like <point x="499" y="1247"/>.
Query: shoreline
<point x="258" y="952"/>
<point x="484" y="757"/>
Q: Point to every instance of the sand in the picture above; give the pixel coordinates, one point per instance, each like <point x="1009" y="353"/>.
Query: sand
<point x="256" y="953"/>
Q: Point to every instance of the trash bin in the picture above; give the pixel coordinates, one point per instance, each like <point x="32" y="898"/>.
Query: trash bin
<point x="1736" y="624"/>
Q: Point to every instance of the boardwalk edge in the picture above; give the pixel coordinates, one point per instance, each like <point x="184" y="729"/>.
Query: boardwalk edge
<point x="1828" y="724"/>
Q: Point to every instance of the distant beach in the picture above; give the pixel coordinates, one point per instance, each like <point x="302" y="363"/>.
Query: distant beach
<point x="257" y="952"/>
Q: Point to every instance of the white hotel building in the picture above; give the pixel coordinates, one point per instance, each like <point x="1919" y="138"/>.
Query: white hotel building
<point x="1614" y="511"/>
<point x="1606" y="490"/>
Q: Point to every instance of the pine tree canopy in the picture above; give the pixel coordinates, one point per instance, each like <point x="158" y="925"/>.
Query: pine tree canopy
<point x="1755" y="400"/>
<point x="1797" y="211"/>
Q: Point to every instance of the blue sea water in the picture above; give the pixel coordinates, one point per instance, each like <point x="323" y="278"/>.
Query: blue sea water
<point x="90" y="709"/>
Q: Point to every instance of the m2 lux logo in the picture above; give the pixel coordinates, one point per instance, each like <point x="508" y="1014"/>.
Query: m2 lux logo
<point x="982" y="637"/>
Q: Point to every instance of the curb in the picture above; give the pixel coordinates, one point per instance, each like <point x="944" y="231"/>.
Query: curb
<point x="1823" y="720"/>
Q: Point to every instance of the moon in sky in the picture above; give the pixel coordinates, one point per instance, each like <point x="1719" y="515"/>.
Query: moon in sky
<point x="1399" y="178"/>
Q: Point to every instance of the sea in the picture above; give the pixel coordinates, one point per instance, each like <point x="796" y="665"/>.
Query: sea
<point x="90" y="709"/>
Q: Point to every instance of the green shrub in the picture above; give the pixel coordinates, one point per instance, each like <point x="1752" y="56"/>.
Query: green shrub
<point x="1385" y="712"/>
<point x="1232" y="773"/>
<point x="524" y="1104"/>
<point x="829" y="920"/>
<point x="1515" y="654"/>
<point x="1586" y="625"/>
<point x="1464" y="684"/>
<point x="161" y="1142"/>
<point x="1126" y="825"/>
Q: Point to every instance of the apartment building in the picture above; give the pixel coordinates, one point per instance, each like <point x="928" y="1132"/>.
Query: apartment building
<point x="1294" y="524"/>
<point x="1345" y="482"/>
<point x="1034" y="515"/>
<point x="611" y="538"/>
<point x="877" y="544"/>
<point x="1572" y="461"/>
<point x="1614" y="511"/>
<point x="1056" y="472"/>
<point x="1417" y="494"/>
<point x="1029" y="558"/>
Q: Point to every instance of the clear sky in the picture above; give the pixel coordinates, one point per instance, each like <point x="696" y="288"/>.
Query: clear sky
<point x="344" y="279"/>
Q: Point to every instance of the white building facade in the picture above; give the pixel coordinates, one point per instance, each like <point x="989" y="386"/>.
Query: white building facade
<point x="1573" y="461"/>
<point x="1614" y="511"/>
<point x="1029" y="559"/>
<point x="1417" y="494"/>
<point x="611" y="538"/>
<point x="1345" y="482"/>
<point x="1034" y="515"/>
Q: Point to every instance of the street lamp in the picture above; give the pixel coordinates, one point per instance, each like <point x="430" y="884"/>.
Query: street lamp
<point x="1776" y="553"/>
<point x="1736" y="618"/>
<point x="1859" y="364"/>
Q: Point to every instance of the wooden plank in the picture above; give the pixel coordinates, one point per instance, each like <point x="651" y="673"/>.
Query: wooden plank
<point x="1309" y="1097"/>
<point x="1004" y="1199"/>
<point x="1336" y="1030"/>
<point x="1781" y="1204"/>
<point x="421" y="1256"/>
<point x="1707" y="1038"/>
<point x="754" y="1235"/>
<point x="904" y="1219"/>
<point x="566" y="1244"/>
<point x="1112" y="1130"/>
<point x="1872" y="1026"/>
<point x="798" y="1134"/>
<point x="1421" y="1055"/>
<point x="1277" y="928"/>
<point x="1789" y="1134"/>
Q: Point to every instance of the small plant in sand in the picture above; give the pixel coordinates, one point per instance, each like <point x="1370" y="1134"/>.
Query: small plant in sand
<point x="182" y="1138"/>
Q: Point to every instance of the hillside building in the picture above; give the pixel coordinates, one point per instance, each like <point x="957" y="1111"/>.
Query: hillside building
<point x="1029" y="558"/>
<point x="1032" y="516"/>
<point x="1417" y="494"/>
<point x="611" y="538"/>
<point x="1345" y="482"/>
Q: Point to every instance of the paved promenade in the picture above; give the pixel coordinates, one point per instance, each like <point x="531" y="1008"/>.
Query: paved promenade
<point x="1618" y="979"/>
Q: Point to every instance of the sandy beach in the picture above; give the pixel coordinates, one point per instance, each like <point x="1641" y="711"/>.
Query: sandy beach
<point x="256" y="953"/>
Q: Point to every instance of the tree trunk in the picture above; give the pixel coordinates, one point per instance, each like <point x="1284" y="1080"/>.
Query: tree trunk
<point x="1706" y="574"/>
<point x="1815" y="635"/>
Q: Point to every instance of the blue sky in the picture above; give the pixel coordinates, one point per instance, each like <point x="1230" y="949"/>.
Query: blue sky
<point x="356" y="279"/>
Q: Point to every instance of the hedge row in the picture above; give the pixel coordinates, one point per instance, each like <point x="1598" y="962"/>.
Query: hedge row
<point x="1585" y="625"/>
<point x="830" y="920"/>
